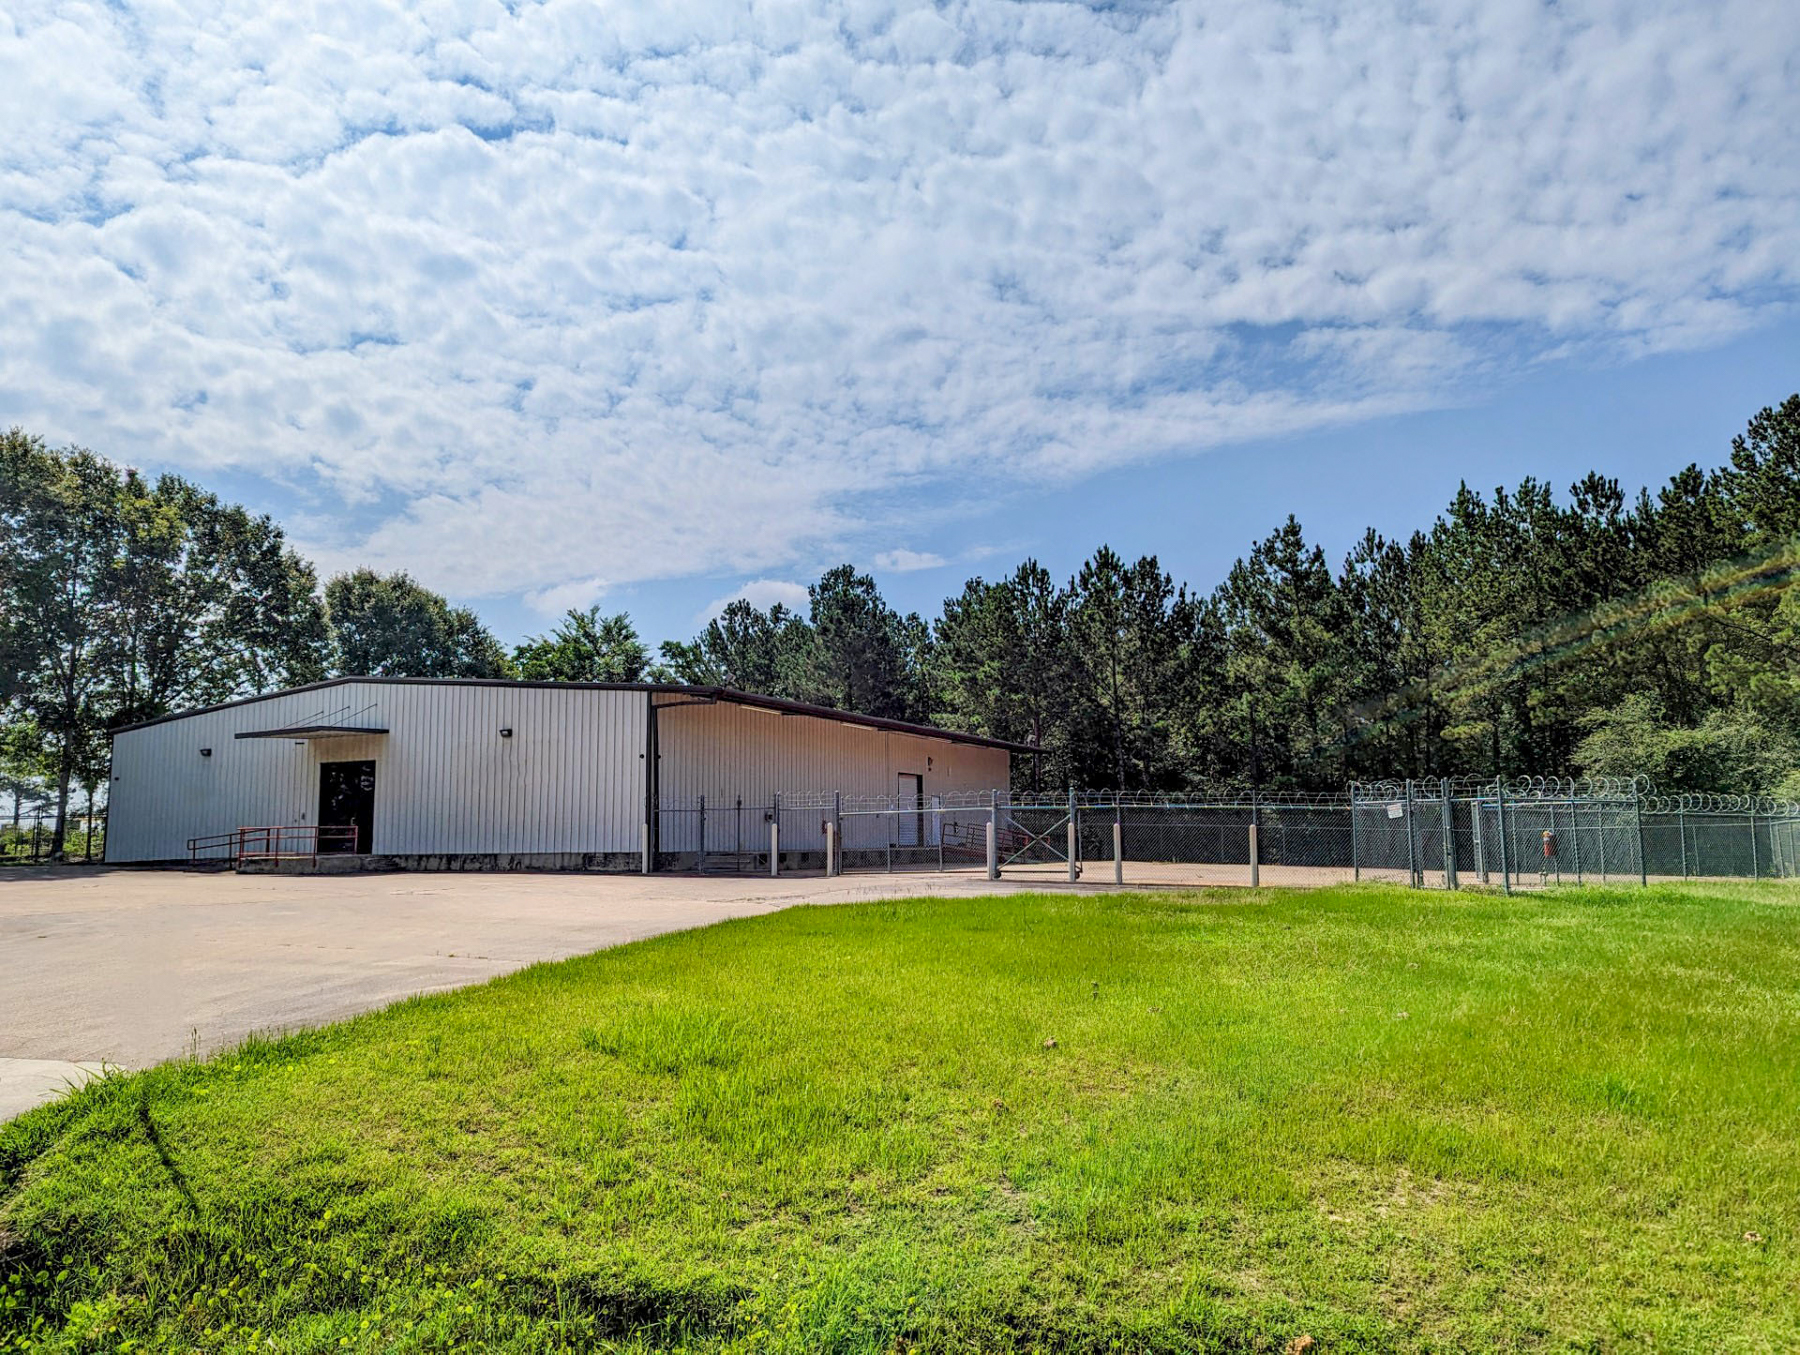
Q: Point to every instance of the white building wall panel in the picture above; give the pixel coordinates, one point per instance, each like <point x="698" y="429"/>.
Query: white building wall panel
<point x="726" y="752"/>
<point x="570" y="779"/>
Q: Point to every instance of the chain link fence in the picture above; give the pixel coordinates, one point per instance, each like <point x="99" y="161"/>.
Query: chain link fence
<point x="27" y="837"/>
<point x="824" y="831"/>
<point x="1436" y="834"/>
<point x="1224" y="836"/>
<point x="1542" y="831"/>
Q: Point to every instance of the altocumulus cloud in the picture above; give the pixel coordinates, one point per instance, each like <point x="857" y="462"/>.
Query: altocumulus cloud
<point x="903" y="561"/>
<point x="552" y="297"/>
<point x="761" y="594"/>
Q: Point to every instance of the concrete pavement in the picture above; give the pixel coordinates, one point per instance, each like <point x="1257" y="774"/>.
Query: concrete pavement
<point x="25" y="1083"/>
<point x="131" y="967"/>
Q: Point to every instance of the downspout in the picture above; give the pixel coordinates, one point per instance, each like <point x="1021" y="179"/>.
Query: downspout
<point x="652" y="791"/>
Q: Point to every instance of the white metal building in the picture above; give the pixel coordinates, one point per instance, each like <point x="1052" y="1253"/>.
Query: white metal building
<point x="427" y="773"/>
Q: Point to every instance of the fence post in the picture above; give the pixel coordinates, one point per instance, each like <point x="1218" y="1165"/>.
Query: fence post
<point x="1500" y="810"/>
<point x="1255" y="852"/>
<point x="1355" y="860"/>
<point x="1449" y="818"/>
<point x="993" y="835"/>
<point x="1074" y="839"/>
<point x="1681" y="833"/>
<point x="1412" y="853"/>
<point x="1755" y="867"/>
<point x="701" y="865"/>
<point x="1637" y="805"/>
<point x="1118" y="852"/>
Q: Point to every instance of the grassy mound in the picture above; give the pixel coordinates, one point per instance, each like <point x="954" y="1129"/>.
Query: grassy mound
<point x="1377" y="1118"/>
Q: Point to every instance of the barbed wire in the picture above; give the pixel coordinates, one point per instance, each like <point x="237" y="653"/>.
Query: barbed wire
<point x="1634" y="790"/>
<point x="1517" y="788"/>
<point x="1712" y="802"/>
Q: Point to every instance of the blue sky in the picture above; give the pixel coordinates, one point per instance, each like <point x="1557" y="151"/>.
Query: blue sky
<point x="1637" y="421"/>
<point x="654" y="304"/>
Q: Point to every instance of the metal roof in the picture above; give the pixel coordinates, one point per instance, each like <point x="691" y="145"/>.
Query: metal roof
<point x="727" y="694"/>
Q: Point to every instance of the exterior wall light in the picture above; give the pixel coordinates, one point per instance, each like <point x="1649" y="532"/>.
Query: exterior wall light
<point x="506" y="731"/>
<point x="206" y="752"/>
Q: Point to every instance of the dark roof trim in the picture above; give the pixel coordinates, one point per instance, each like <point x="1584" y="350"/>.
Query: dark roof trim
<point x="308" y="732"/>
<point x="671" y="688"/>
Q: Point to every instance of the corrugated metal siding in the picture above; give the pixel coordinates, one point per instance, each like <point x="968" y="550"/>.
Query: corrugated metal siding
<point x="569" y="780"/>
<point x="726" y="751"/>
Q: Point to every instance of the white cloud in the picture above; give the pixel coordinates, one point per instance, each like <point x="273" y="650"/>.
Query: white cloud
<point x="525" y="300"/>
<point x="906" y="561"/>
<point x="574" y="595"/>
<point x="761" y="594"/>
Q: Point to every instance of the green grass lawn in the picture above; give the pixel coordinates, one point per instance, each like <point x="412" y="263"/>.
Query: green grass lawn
<point x="1384" y="1119"/>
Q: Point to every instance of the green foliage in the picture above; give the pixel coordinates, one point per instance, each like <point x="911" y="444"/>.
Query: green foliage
<point x="1386" y="1119"/>
<point x="1006" y="664"/>
<point x="386" y="625"/>
<point x="1727" y="747"/>
<point x="744" y="648"/>
<point x="585" y="647"/>
<point x="859" y="653"/>
<point x="852" y="651"/>
<point x="121" y="599"/>
<point x="1520" y="633"/>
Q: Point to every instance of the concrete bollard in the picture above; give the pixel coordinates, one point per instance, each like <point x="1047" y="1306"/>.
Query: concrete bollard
<point x="1118" y="853"/>
<point x="774" y="847"/>
<point x="1255" y="860"/>
<point x="646" y="848"/>
<point x="993" y="852"/>
<point x="831" y="851"/>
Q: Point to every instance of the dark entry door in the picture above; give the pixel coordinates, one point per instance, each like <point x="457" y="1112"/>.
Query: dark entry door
<point x="346" y="801"/>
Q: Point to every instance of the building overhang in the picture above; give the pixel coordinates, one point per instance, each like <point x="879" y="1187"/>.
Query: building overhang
<point x="304" y="733"/>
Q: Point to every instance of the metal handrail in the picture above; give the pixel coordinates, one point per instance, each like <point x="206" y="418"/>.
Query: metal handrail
<point x="271" y="842"/>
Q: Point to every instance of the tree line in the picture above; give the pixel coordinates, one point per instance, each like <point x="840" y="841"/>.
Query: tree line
<point x="1521" y="632"/>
